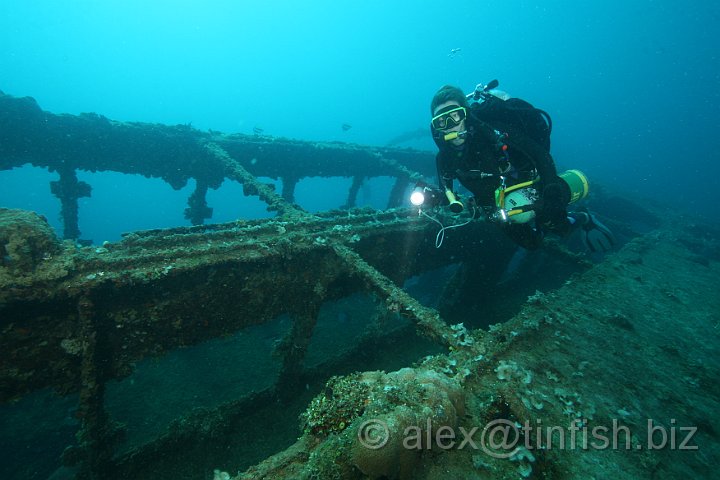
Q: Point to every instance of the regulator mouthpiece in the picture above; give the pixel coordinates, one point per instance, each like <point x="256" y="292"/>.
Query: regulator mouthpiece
<point x="453" y="135"/>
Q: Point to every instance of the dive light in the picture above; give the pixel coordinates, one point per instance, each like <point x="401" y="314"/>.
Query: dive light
<point x="426" y="196"/>
<point x="417" y="197"/>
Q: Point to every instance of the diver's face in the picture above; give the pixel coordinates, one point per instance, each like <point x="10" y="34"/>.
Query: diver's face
<point x="454" y="121"/>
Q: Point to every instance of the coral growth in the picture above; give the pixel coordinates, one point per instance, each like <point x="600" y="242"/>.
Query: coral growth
<point x="26" y="240"/>
<point x="382" y="426"/>
<point x="343" y="400"/>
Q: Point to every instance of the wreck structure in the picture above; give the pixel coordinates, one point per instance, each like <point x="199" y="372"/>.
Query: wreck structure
<point x="90" y="323"/>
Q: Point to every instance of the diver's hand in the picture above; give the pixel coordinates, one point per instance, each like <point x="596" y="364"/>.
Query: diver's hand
<point x="551" y="209"/>
<point x="556" y="195"/>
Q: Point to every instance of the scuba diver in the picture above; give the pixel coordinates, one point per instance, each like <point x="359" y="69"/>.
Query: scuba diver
<point x="498" y="147"/>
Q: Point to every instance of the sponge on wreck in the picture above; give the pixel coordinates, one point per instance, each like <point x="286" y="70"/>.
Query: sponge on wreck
<point x="26" y="239"/>
<point x="397" y="415"/>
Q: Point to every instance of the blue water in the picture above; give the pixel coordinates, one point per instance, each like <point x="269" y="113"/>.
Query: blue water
<point x="631" y="85"/>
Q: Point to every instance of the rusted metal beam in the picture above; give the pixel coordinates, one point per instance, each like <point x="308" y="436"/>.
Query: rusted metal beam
<point x="178" y="153"/>
<point x="294" y="345"/>
<point x="251" y="185"/>
<point x="352" y="193"/>
<point x="69" y="190"/>
<point x="168" y="288"/>
<point x="397" y="300"/>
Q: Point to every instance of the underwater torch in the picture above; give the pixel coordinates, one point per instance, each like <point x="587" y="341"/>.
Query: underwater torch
<point x="426" y="196"/>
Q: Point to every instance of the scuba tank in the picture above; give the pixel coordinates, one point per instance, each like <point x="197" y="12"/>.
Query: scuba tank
<point x="494" y="107"/>
<point x="516" y="204"/>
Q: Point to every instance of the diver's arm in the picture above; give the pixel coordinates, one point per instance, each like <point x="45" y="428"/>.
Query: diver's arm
<point x="555" y="197"/>
<point x="543" y="163"/>
<point x="554" y="192"/>
<point x="445" y="179"/>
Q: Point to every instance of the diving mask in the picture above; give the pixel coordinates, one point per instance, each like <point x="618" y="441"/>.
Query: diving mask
<point x="448" y="118"/>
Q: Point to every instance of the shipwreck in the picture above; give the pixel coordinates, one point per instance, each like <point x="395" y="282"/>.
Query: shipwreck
<point x="340" y="344"/>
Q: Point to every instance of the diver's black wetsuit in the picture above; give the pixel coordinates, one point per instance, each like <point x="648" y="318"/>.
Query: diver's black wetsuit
<point x="480" y="165"/>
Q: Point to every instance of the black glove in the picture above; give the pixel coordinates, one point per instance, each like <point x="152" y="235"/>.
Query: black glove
<point x="552" y="213"/>
<point x="597" y="237"/>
